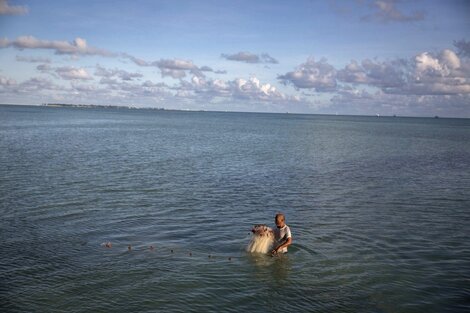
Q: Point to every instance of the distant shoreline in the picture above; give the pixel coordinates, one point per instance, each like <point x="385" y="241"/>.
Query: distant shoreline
<point x="123" y="107"/>
<point x="92" y="106"/>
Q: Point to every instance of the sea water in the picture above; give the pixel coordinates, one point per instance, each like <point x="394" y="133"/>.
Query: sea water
<point x="379" y="210"/>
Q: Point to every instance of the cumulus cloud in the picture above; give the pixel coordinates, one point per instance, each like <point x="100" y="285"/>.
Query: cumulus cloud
<point x="20" y="58"/>
<point x="253" y="89"/>
<point x="175" y="68"/>
<point x="6" y="9"/>
<point x="206" y="69"/>
<point x="133" y="91"/>
<point x="248" y="57"/>
<point x="122" y="74"/>
<point x="266" y="58"/>
<point x="387" y="74"/>
<point x="444" y="73"/>
<point x="179" y="68"/>
<point x="177" y="74"/>
<point x="237" y="89"/>
<point x="72" y="73"/>
<point x="463" y="47"/>
<point x="44" y="68"/>
<point x="175" y="64"/>
<point x="386" y="11"/>
<point x="37" y="85"/>
<point x="201" y="69"/>
<point x="319" y="76"/>
<point x="7" y="82"/>
<point x="137" y="61"/>
<point x="356" y="101"/>
<point x="78" y="46"/>
<point x="86" y="88"/>
<point x="65" y="72"/>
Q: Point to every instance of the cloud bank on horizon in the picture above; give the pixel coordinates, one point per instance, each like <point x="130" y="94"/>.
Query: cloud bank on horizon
<point x="349" y="57"/>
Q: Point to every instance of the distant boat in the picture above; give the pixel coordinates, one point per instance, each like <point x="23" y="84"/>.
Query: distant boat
<point x="378" y="115"/>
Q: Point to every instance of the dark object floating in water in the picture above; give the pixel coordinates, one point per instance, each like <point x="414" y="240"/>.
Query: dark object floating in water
<point x="436" y="116"/>
<point x="108" y="244"/>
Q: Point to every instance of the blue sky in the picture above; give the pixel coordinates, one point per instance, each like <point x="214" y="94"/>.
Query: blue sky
<point x="347" y="57"/>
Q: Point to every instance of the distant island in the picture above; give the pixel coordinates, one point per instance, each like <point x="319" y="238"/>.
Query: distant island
<point x="94" y="106"/>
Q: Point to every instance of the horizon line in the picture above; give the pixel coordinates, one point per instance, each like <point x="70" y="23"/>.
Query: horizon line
<point x="110" y="106"/>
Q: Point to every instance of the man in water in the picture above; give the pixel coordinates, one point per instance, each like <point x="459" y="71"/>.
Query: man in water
<point x="281" y="234"/>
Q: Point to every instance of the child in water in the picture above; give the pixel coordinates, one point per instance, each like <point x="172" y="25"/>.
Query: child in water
<point x="281" y="234"/>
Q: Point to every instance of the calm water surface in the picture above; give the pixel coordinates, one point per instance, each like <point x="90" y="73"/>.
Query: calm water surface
<point x="378" y="207"/>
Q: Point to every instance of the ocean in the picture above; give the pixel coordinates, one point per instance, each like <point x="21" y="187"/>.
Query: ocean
<point x="379" y="209"/>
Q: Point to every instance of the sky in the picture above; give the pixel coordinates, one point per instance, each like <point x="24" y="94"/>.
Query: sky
<point x="361" y="57"/>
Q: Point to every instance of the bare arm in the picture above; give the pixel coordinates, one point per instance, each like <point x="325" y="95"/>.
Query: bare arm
<point x="285" y="244"/>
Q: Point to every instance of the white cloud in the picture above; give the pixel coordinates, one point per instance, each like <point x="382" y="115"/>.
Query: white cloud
<point x="209" y="69"/>
<point x="175" y="68"/>
<point x="179" y="68"/>
<point x="175" y="64"/>
<point x="266" y="58"/>
<point x="463" y="47"/>
<point x="108" y="81"/>
<point x="386" y="11"/>
<point x="442" y="74"/>
<point x="137" y="61"/>
<point x="65" y="72"/>
<point x="122" y="74"/>
<point x="173" y="73"/>
<point x="320" y="76"/>
<point x="7" y="82"/>
<point x="149" y="84"/>
<point x="32" y="59"/>
<point x="44" y="68"/>
<point x="355" y="101"/>
<point x="37" y="85"/>
<point x="386" y="74"/>
<point x="77" y="47"/>
<point x="4" y="43"/>
<point x="248" y="57"/>
<point x="86" y="88"/>
<point x="450" y="59"/>
<point x="72" y="73"/>
<point x="426" y="74"/>
<point x="237" y="89"/>
<point x="254" y="90"/>
<point x="394" y="86"/>
<point x="6" y="9"/>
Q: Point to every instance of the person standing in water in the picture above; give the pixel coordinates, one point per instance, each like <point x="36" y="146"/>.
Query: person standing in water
<point x="282" y="235"/>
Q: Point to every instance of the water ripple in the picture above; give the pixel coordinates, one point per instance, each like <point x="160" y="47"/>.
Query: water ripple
<point x="379" y="224"/>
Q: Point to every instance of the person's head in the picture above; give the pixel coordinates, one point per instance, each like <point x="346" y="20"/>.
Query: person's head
<point x="280" y="220"/>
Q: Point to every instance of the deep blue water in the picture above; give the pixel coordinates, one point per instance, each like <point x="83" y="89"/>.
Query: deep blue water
<point x="379" y="209"/>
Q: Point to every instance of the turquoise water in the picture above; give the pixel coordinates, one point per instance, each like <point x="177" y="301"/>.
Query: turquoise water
<point x="378" y="208"/>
